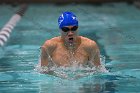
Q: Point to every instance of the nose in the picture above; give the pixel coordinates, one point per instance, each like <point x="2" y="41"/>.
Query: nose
<point x="70" y="33"/>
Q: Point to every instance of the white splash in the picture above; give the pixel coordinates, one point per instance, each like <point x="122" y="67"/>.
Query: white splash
<point x="74" y="71"/>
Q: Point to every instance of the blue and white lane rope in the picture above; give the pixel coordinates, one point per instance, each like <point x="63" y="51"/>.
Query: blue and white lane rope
<point x="7" y="29"/>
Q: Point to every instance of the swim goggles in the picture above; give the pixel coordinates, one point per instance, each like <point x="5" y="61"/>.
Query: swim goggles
<point x="66" y="29"/>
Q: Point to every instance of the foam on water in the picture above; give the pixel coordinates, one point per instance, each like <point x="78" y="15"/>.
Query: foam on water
<point x="74" y="71"/>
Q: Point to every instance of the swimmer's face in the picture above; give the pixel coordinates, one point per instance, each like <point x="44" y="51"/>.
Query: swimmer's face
<point x="69" y="33"/>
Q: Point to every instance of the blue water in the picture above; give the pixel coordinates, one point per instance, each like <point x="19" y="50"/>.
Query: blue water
<point x="115" y="27"/>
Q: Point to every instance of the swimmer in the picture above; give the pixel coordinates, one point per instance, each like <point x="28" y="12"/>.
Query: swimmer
<point x="69" y="48"/>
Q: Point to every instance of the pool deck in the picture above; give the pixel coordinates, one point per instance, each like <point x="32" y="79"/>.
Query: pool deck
<point x="64" y="1"/>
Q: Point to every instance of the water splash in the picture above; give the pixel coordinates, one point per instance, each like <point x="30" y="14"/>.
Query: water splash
<point x="73" y="72"/>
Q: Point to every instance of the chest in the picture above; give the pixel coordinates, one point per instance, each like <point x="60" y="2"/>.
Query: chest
<point x="64" y="57"/>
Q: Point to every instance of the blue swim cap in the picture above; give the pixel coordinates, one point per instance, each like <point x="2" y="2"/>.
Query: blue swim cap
<point x="67" y="19"/>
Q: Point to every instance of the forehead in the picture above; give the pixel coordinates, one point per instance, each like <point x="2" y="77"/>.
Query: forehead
<point x="69" y="26"/>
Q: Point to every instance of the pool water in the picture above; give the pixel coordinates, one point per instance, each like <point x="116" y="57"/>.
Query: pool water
<point x="115" y="27"/>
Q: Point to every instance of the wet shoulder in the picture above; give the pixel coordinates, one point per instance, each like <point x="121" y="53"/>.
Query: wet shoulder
<point x="52" y="42"/>
<point x="88" y="42"/>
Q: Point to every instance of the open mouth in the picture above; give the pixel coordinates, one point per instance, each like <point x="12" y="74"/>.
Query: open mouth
<point x="71" y="39"/>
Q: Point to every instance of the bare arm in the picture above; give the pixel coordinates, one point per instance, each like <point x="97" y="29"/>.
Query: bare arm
<point x="46" y="52"/>
<point x="96" y="59"/>
<point x="95" y="55"/>
<point x="44" y="56"/>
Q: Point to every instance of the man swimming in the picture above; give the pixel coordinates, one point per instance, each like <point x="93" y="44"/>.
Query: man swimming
<point x="69" y="48"/>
